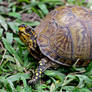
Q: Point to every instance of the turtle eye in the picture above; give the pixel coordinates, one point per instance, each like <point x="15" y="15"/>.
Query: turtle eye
<point x="29" y="30"/>
<point x="26" y="30"/>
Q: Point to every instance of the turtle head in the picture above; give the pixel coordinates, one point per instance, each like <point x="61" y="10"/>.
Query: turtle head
<point x="27" y="36"/>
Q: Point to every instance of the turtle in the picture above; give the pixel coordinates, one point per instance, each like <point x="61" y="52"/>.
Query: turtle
<point x="63" y="37"/>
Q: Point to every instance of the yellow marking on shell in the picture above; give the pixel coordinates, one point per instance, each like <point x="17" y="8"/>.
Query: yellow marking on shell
<point x="61" y="39"/>
<point x="64" y="40"/>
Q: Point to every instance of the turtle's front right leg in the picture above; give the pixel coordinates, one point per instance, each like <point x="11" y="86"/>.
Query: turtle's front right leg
<point x="43" y="65"/>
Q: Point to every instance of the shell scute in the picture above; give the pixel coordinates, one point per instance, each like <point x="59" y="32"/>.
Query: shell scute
<point x="67" y="35"/>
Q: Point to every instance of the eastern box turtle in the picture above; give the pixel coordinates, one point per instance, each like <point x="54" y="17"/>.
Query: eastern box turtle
<point x="63" y="37"/>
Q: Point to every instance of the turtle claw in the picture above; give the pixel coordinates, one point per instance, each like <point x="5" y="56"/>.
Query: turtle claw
<point x="43" y="65"/>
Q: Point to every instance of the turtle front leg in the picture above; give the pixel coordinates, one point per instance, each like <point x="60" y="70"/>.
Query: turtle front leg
<point x="43" y="65"/>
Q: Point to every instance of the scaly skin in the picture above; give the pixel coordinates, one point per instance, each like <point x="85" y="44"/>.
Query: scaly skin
<point x="63" y="37"/>
<point x="29" y="38"/>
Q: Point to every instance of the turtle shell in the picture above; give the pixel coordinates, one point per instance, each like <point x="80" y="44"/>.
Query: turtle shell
<point x="65" y="35"/>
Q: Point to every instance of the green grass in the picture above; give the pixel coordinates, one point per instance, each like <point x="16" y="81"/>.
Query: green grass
<point x="17" y="65"/>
